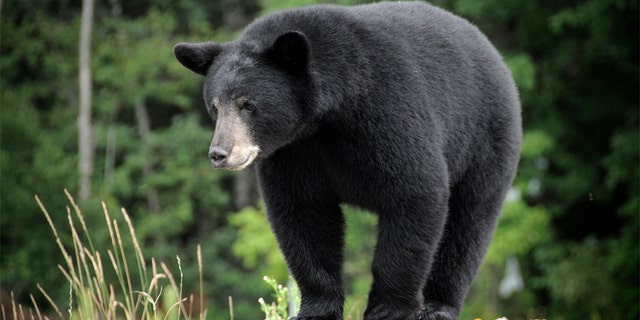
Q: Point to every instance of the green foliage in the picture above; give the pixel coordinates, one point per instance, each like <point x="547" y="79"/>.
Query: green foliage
<point x="256" y="245"/>
<point x="573" y="272"/>
<point x="521" y="228"/>
<point x="523" y="71"/>
<point x="360" y="239"/>
<point x="275" y="5"/>
<point x="118" y="70"/>
<point x="535" y="144"/>
<point x="36" y="145"/>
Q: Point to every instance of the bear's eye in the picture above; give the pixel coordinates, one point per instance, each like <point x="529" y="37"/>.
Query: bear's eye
<point x="248" y="106"/>
<point x="213" y="107"/>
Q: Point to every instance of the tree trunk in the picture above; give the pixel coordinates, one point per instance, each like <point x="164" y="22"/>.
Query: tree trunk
<point x="144" y="130"/>
<point x="116" y="8"/>
<point x="85" y="130"/>
<point x="112" y="145"/>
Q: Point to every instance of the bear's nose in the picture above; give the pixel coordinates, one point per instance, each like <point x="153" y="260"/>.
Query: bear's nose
<point x="218" y="156"/>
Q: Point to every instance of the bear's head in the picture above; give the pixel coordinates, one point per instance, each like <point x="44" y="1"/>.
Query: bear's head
<point x="256" y="94"/>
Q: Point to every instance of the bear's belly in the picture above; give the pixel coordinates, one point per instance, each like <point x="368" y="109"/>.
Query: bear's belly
<point x="361" y="181"/>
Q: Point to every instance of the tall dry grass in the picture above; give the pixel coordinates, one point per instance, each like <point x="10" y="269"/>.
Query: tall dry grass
<point x="156" y="295"/>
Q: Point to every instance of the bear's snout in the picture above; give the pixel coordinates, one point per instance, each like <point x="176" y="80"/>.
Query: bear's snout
<point x="236" y="157"/>
<point x="232" y="146"/>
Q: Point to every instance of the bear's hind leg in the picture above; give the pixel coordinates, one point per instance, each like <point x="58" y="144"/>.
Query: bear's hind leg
<point x="406" y="244"/>
<point x="468" y="232"/>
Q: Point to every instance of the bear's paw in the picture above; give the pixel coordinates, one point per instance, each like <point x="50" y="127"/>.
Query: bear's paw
<point x="433" y="313"/>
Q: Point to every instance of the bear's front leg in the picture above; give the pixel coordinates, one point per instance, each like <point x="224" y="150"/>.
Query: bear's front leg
<point x="311" y="240"/>
<point x="309" y="226"/>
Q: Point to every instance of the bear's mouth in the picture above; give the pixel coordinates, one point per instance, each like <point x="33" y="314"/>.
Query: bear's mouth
<point x="252" y="156"/>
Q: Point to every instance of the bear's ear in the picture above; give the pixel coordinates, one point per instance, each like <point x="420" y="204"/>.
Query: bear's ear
<point x="292" y="51"/>
<point x="197" y="57"/>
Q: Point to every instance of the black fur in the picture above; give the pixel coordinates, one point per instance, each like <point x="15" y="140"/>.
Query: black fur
<point x="399" y="108"/>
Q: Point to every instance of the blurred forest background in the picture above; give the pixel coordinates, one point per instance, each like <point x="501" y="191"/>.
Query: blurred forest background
<point x="568" y="242"/>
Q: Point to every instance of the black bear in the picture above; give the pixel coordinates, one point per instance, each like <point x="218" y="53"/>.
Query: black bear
<point x="402" y="109"/>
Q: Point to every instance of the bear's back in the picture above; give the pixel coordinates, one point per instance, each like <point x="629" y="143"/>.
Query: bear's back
<point x="418" y="67"/>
